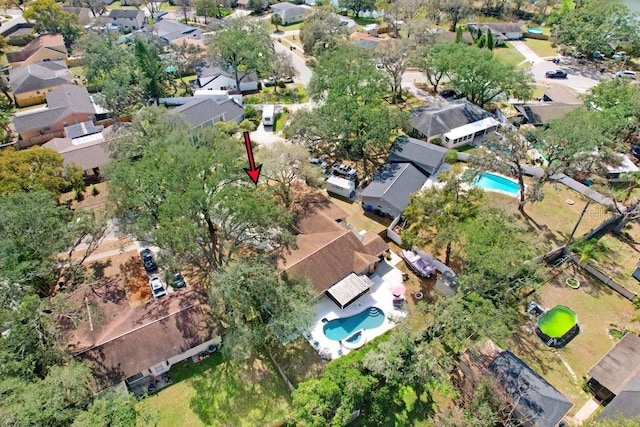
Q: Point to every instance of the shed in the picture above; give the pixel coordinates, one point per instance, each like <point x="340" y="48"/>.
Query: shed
<point x="349" y="289"/>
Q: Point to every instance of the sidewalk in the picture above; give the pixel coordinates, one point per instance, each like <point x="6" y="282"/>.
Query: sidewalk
<point x="585" y="412"/>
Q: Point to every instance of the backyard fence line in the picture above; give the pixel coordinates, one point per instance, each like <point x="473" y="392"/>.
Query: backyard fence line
<point x="624" y="292"/>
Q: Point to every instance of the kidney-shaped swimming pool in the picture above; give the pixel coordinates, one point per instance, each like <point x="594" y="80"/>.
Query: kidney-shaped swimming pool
<point x="341" y="328"/>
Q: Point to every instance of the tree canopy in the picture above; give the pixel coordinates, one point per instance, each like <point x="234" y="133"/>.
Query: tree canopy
<point x="257" y="306"/>
<point x="187" y="192"/>
<point x="598" y="26"/>
<point x="50" y="18"/>
<point x="321" y="31"/>
<point x="357" y="6"/>
<point x="352" y="121"/>
<point x="241" y="47"/>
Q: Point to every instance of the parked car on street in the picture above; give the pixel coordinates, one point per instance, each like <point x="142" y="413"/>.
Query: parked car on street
<point x="177" y="281"/>
<point x="597" y="55"/>
<point x="148" y="261"/>
<point x="269" y="82"/>
<point x="287" y="80"/>
<point x="158" y="289"/>
<point x="318" y="162"/>
<point x="556" y="74"/>
<point x="626" y="74"/>
<point x="619" y="56"/>
<point x="344" y="171"/>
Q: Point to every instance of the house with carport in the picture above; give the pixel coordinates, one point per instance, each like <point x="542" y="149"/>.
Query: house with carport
<point x="329" y="253"/>
<point x="31" y="83"/>
<point x="46" y="47"/>
<point x="453" y="124"/>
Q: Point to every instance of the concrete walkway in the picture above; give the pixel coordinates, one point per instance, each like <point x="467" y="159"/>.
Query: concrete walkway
<point x="585" y="412"/>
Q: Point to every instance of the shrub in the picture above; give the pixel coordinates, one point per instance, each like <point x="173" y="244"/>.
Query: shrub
<point x="94" y="191"/>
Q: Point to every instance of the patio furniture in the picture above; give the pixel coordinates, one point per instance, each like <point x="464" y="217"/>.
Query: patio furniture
<point x="415" y="262"/>
<point x="398" y="302"/>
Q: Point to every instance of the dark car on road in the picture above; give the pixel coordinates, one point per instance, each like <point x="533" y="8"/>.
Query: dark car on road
<point x="148" y="261"/>
<point x="556" y="74"/>
<point x="177" y="281"/>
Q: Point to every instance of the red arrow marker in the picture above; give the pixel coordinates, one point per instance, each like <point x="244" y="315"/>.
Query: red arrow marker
<point x="252" y="170"/>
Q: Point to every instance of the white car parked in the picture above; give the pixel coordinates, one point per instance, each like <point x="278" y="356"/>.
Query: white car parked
<point x="158" y="288"/>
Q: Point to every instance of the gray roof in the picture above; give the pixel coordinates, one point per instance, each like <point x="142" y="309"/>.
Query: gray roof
<point x="39" y="76"/>
<point x="618" y="366"/>
<point x="395" y="183"/>
<point x="82" y="129"/>
<point x="93" y="153"/>
<point x="438" y="119"/>
<point x="425" y="156"/>
<point x="125" y="13"/>
<point x="626" y="404"/>
<point x="287" y="10"/>
<point x="540" y="113"/>
<point x="61" y="103"/>
<point x="171" y="30"/>
<point x="498" y="27"/>
<point x="208" y="73"/>
<point x="537" y="401"/>
<point x="203" y="110"/>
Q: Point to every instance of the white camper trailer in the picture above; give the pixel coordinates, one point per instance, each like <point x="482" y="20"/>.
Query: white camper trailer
<point x="268" y="115"/>
<point x="341" y="187"/>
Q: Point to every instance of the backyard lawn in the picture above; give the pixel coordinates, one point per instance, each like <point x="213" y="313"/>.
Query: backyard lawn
<point x="597" y="307"/>
<point x="222" y="392"/>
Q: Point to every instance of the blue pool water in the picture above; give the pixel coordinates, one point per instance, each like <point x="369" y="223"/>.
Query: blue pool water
<point x="534" y="30"/>
<point x="339" y="329"/>
<point x="489" y="181"/>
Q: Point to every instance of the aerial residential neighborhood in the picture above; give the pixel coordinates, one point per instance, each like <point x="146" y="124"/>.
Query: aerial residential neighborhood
<point x="259" y="213"/>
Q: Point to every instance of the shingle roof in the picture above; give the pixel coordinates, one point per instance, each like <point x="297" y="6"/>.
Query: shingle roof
<point x="327" y="251"/>
<point x="502" y="28"/>
<point x="39" y="76"/>
<point x="203" y="110"/>
<point x="124" y="13"/>
<point x="537" y="401"/>
<point x="619" y="365"/>
<point x="152" y="343"/>
<point x="541" y="113"/>
<point x="563" y="94"/>
<point x="61" y="103"/>
<point x="437" y="119"/>
<point x="395" y="183"/>
<point x="425" y="156"/>
<point x="286" y="10"/>
<point x="626" y="404"/>
<point x="171" y="30"/>
<point x="209" y="73"/>
<point x="55" y="42"/>
<point x="90" y="154"/>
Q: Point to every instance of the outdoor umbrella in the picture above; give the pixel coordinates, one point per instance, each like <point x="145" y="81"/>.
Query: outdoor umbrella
<point x="398" y="290"/>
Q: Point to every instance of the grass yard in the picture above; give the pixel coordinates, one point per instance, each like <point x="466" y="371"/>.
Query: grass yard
<point x="508" y="55"/>
<point x="542" y="47"/>
<point x="282" y="28"/>
<point x="597" y="307"/>
<point x="553" y="219"/>
<point x="281" y="120"/>
<point x="268" y="95"/>
<point x="359" y="219"/>
<point x="298" y="360"/>
<point x="219" y="392"/>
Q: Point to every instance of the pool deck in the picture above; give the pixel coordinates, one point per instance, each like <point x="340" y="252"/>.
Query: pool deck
<point x="385" y="278"/>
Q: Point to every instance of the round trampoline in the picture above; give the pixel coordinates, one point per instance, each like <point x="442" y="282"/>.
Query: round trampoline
<point x="558" y="326"/>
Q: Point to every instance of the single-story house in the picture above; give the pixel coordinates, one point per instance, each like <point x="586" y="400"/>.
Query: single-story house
<point x="132" y="19"/>
<point x="563" y="94"/>
<point x="165" y="332"/>
<point x="349" y="24"/>
<point x="204" y="111"/>
<point x="244" y="4"/>
<point x="83" y="13"/>
<point x="454" y="124"/>
<point x="448" y="36"/>
<point x="391" y="187"/>
<point x="423" y="155"/>
<point x="327" y="249"/>
<point x="85" y="145"/>
<point x="30" y="83"/>
<point x="66" y="105"/>
<point x="533" y="401"/>
<point x="289" y="13"/>
<point x="540" y="113"/>
<point x="175" y="32"/>
<point x="615" y="379"/>
<point x="509" y="31"/>
<point x="46" y="47"/>
<point x="365" y="41"/>
<point x="215" y="78"/>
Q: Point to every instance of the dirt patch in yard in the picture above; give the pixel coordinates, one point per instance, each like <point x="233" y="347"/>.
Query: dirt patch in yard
<point x="89" y="200"/>
<point x="136" y="282"/>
